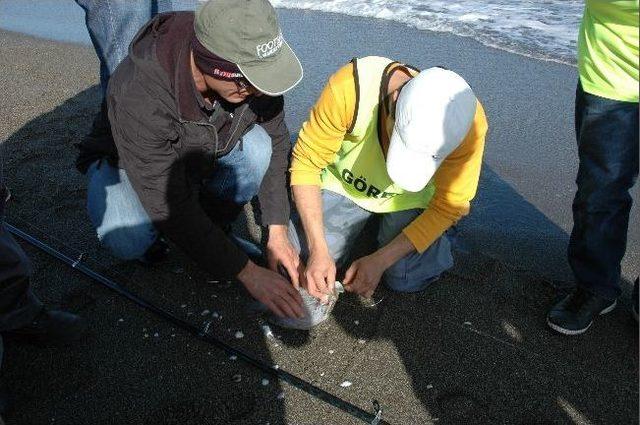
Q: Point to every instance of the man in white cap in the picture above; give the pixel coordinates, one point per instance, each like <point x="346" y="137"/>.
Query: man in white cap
<point x="197" y="119"/>
<point x="385" y="139"/>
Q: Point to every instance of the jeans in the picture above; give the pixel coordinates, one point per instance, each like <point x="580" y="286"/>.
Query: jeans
<point x="112" y="24"/>
<point x="344" y="221"/>
<point x="607" y="134"/>
<point x="123" y="225"/>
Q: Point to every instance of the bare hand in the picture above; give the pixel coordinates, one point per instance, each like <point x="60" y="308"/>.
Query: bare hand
<point x="281" y="253"/>
<point x="273" y="290"/>
<point x="320" y="275"/>
<point x="363" y="276"/>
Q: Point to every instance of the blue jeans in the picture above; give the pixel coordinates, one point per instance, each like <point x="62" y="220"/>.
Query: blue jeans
<point x="112" y="24"/>
<point x="344" y="221"/>
<point x="607" y="133"/>
<point x="123" y="225"/>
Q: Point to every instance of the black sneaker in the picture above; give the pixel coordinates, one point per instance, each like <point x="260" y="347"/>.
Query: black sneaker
<point x="575" y="313"/>
<point x="51" y="327"/>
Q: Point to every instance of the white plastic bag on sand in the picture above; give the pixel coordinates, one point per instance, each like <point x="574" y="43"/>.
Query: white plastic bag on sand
<point x="315" y="311"/>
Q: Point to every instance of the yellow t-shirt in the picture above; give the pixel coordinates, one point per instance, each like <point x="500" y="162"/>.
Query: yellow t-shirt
<point x="608" y="49"/>
<point x="456" y="180"/>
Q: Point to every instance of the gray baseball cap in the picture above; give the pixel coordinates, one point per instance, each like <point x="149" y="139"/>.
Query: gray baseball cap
<point x="246" y="32"/>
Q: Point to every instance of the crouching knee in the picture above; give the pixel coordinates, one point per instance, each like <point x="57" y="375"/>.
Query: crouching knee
<point x="128" y="243"/>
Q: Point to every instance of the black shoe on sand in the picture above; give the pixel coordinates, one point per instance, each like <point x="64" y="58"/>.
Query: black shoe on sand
<point x="575" y="313"/>
<point x="51" y="327"/>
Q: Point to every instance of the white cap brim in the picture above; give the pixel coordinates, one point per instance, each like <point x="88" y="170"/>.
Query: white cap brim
<point x="409" y="169"/>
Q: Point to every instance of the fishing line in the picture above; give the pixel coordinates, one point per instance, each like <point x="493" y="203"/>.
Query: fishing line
<point x="78" y="264"/>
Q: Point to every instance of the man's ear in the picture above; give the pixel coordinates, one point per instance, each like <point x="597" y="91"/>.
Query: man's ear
<point x="198" y="77"/>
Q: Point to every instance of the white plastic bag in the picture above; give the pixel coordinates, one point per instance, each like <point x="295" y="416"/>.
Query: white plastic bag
<point x="315" y="311"/>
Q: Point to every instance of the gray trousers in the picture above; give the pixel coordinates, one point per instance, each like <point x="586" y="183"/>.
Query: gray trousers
<point x="18" y="305"/>
<point x="344" y="222"/>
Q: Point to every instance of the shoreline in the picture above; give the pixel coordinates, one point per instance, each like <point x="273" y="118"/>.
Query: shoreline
<point x="513" y="50"/>
<point x="71" y="12"/>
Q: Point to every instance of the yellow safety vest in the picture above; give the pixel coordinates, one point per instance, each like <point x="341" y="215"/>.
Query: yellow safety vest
<point x="608" y="49"/>
<point x="359" y="171"/>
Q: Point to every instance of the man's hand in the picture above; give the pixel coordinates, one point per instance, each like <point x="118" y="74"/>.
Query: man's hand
<point x="280" y="252"/>
<point x="320" y="274"/>
<point x="364" y="274"/>
<point x="272" y="290"/>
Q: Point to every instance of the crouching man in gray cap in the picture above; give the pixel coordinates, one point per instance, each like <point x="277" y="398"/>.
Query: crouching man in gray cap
<point x="196" y="113"/>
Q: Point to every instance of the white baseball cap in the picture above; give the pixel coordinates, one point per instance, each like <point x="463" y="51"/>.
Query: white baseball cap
<point x="434" y="113"/>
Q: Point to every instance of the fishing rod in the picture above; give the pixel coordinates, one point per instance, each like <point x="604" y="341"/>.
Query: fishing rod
<point x="355" y="411"/>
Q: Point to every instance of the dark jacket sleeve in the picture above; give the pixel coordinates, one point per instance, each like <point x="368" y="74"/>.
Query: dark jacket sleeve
<point x="274" y="195"/>
<point x="145" y="137"/>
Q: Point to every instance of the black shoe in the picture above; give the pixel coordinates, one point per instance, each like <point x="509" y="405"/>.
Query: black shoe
<point x="575" y="313"/>
<point x="51" y="327"/>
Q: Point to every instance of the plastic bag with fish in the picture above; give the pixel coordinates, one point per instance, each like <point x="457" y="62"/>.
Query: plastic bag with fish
<point x="315" y="311"/>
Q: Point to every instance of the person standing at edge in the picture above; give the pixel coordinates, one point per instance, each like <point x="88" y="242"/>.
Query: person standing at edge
<point x="606" y="119"/>
<point x="197" y="119"/>
<point x="112" y="24"/>
<point x="386" y="139"/>
<point x="22" y="315"/>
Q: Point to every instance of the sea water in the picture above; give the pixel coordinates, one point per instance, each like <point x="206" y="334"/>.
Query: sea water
<point x="545" y="29"/>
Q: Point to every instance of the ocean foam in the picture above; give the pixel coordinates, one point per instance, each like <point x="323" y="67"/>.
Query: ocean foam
<point x="546" y="30"/>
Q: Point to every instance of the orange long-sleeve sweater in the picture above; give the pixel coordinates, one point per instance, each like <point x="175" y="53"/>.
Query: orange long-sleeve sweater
<point x="456" y="180"/>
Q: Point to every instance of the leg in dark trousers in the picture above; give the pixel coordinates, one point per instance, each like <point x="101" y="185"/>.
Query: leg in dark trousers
<point x="18" y="305"/>
<point x="22" y="315"/>
<point x="607" y="133"/>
